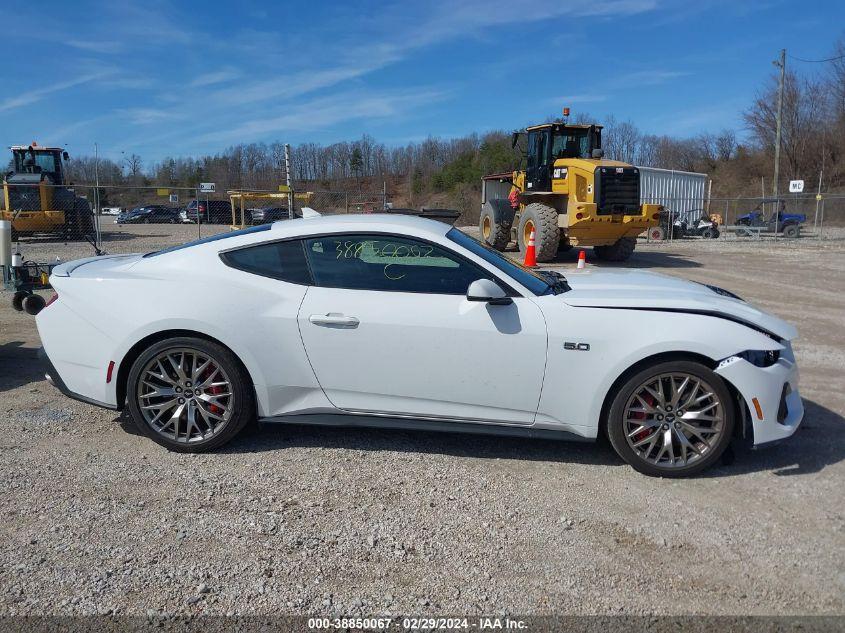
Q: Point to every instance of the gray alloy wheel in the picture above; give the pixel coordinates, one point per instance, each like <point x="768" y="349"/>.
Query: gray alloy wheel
<point x="189" y="394"/>
<point x="185" y="395"/>
<point x="672" y="420"/>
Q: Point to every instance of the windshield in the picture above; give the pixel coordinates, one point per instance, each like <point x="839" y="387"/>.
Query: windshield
<point x="46" y="161"/>
<point x="571" y="143"/>
<point x="538" y="282"/>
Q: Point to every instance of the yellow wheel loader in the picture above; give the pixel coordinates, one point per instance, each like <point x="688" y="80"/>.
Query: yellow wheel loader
<point x="568" y="194"/>
<point x="37" y="199"/>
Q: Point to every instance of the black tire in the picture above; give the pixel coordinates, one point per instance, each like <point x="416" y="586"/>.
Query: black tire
<point x="619" y="251"/>
<point x="615" y="422"/>
<point x="242" y="394"/>
<point x="708" y="233"/>
<point x="496" y="234"/>
<point x="79" y="222"/>
<point x="546" y="231"/>
<point x="33" y="304"/>
<point x="17" y="299"/>
<point x="791" y="231"/>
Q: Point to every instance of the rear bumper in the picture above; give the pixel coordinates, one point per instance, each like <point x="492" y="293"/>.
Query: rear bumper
<point x="78" y="352"/>
<point x="53" y="377"/>
<point x="775" y="389"/>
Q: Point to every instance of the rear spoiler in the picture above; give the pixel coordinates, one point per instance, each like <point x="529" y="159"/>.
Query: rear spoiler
<point x="64" y="270"/>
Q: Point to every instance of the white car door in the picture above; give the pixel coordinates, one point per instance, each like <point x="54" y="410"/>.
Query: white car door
<point x="388" y="329"/>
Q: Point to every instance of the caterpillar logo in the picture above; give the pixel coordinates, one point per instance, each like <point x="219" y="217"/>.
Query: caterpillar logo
<point x="578" y="347"/>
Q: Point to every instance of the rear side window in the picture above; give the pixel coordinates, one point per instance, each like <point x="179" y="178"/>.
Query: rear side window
<point x="277" y="260"/>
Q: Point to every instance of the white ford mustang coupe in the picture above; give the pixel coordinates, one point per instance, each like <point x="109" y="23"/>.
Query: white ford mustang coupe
<point x="397" y="321"/>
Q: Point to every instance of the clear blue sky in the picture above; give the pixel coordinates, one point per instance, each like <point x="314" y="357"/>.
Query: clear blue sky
<point x="165" y="78"/>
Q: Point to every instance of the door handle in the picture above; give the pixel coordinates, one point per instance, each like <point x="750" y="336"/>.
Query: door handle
<point x="333" y="319"/>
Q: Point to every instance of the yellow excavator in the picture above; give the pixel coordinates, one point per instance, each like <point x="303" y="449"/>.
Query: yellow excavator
<point x="568" y="195"/>
<point x="37" y="198"/>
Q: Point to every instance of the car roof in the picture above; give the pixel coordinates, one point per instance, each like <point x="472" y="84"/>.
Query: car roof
<point x="301" y="227"/>
<point x="378" y="222"/>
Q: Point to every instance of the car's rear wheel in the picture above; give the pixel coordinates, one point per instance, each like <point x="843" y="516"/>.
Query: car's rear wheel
<point x="189" y="394"/>
<point x="673" y="419"/>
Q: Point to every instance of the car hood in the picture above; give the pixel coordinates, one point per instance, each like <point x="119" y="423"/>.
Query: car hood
<point x="641" y="290"/>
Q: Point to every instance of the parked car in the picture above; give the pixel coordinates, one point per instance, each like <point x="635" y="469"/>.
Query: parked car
<point x="778" y="221"/>
<point x="209" y="212"/>
<point x="268" y="214"/>
<point x="150" y="214"/>
<point x="397" y="321"/>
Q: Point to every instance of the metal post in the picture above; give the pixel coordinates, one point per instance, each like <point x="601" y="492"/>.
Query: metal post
<point x="288" y="182"/>
<point x="98" y="236"/>
<point x="5" y="251"/>
<point x="199" y="219"/>
<point x="782" y="65"/>
<point x="384" y="195"/>
<point x="346" y="200"/>
<point x="821" y="220"/>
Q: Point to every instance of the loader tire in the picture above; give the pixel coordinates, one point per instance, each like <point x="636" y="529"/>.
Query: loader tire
<point x="542" y="219"/>
<point x="619" y="251"/>
<point x="496" y="234"/>
<point x="79" y="222"/>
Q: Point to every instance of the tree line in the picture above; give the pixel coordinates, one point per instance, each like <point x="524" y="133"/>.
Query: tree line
<point x="449" y="170"/>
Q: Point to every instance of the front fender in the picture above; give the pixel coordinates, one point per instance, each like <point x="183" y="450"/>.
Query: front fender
<point x="577" y="382"/>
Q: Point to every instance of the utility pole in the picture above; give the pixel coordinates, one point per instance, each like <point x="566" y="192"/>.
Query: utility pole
<point x="287" y="182"/>
<point x="781" y="63"/>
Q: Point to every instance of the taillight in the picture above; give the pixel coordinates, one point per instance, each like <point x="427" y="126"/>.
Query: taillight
<point x="202" y="208"/>
<point x="51" y="299"/>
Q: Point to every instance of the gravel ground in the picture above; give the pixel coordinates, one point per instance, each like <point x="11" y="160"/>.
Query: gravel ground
<point x="300" y="520"/>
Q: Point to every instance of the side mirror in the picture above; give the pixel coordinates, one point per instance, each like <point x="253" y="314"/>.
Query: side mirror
<point x="488" y="292"/>
<point x="65" y="156"/>
<point x="598" y="153"/>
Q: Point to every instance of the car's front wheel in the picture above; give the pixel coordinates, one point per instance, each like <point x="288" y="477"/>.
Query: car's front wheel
<point x="672" y="419"/>
<point x="189" y="394"/>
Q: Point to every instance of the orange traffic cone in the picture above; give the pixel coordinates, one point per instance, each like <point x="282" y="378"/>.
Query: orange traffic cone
<point x="530" y="253"/>
<point x="582" y="259"/>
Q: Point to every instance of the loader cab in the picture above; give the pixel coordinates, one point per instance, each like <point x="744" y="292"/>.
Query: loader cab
<point x="553" y="141"/>
<point x="42" y="161"/>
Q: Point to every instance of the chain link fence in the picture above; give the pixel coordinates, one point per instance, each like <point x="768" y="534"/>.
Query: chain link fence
<point x="51" y="223"/>
<point x="69" y="222"/>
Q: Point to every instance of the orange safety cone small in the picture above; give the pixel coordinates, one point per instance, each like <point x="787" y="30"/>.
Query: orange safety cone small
<point x="582" y="259"/>
<point x="530" y="253"/>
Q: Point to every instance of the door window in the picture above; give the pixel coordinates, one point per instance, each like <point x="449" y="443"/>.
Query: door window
<point x="542" y="148"/>
<point x="387" y="263"/>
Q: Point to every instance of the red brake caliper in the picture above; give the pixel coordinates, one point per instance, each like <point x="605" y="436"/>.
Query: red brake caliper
<point x="216" y="389"/>
<point x="649" y="400"/>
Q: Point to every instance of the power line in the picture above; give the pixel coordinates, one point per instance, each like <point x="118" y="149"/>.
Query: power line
<point x="817" y="61"/>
